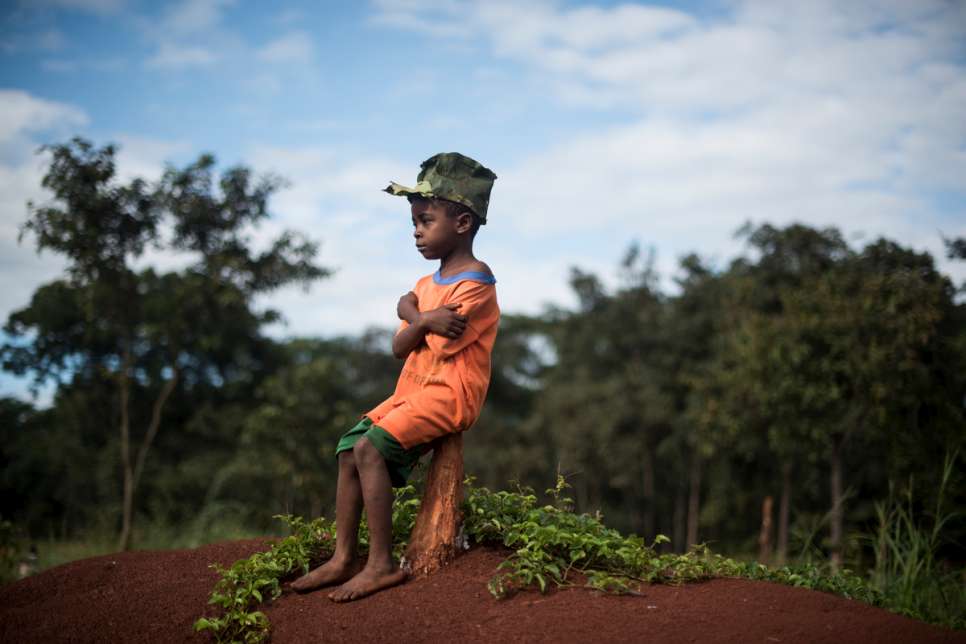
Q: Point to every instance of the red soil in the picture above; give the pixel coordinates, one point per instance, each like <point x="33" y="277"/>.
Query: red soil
<point x="156" y="597"/>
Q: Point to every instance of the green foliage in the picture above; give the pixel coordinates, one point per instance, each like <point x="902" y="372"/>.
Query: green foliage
<point x="151" y="337"/>
<point x="10" y="551"/>
<point x="552" y="544"/>
<point x="907" y="569"/>
<point x="249" y="582"/>
<point x="813" y="576"/>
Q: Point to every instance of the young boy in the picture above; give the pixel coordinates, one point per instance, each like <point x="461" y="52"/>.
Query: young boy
<point x="449" y="323"/>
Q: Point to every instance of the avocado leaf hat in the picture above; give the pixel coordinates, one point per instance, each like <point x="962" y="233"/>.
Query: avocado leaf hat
<point x="453" y="177"/>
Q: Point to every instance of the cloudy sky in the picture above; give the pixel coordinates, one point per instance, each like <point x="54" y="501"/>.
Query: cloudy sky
<point x="665" y="123"/>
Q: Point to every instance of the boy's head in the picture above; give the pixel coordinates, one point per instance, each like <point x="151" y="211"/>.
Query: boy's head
<point x="456" y="183"/>
<point x="441" y="227"/>
<point x="463" y="218"/>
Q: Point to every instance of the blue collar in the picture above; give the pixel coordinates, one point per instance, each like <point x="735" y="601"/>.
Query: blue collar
<point x="475" y="276"/>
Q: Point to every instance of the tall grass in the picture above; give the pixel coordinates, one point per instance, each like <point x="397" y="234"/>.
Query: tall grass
<point x="908" y="572"/>
<point x="215" y="522"/>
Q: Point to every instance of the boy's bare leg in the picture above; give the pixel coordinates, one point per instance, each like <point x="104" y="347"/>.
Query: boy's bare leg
<point x="348" y="510"/>
<point x="380" y="571"/>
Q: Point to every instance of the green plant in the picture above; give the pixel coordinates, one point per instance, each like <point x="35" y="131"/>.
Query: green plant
<point x="809" y="575"/>
<point x="249" y="582"/>
<point x="551" y="546"/>
<point x="907" y="571"/>
<point x="10" y="551"/>
<point x="551" y="543"/>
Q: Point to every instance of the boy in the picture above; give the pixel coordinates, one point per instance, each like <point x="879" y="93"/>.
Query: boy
<point x="449" y="323"/>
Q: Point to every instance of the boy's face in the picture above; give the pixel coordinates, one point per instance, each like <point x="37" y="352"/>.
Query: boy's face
<point x="437" y="233"/>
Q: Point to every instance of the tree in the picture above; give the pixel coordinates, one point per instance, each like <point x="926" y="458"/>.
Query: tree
<point x="836" y="349"/>
<point x="757" y="368"/>
<point x="151" y="334"/>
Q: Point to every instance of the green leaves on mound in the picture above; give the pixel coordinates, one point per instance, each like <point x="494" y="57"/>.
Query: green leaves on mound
<point x="249" y="582"/>
<point x="551" y="546"/>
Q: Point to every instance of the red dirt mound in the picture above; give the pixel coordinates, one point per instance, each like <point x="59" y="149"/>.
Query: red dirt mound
<point x="156" y="597"/>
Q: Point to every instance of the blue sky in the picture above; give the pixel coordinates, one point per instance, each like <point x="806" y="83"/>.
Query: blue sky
<point x="669" y="124"/>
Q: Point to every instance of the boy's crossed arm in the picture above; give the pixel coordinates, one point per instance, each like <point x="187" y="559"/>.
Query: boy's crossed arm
<point x="444" y="321"/>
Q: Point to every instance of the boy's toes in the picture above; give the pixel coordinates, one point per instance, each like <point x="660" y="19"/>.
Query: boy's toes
<point x="340" y="594"/>
<point x="366" y="583"/>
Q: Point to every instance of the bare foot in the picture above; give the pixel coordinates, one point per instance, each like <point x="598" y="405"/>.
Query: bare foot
<point x="367" y="582"/>
<point x="331" y="572"/>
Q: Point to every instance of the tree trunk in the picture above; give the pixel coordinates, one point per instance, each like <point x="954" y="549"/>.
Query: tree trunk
<point x="835" y="515"/>
<point x="435" y="537"/>
<point x="678" y="519"/>
<point x="155" y="424"/>
<point x="132" y="473"/>
<point x="781" y="552"/>
<point x="694" y="497"/>
<point x="127" y="495"/>
<point x="764" y="535"/>
<point x="647" y="465"/>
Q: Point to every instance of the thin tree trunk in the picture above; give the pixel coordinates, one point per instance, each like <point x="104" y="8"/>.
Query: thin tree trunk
<point x="155" y="424"/>
<point x="127" y="495"/>
<point x="436" y="533"/>
<point x="835" y="515"/>
<point x="647" y="465"/>
<point x="694" y="497"/>
<point x="132" y="474"/>
<point x="764" y="535"/>
<point x="781" y="552"/>
<point x="678" y="520"/>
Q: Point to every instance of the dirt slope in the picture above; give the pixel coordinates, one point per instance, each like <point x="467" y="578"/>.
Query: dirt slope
<point x="156" y="596"/>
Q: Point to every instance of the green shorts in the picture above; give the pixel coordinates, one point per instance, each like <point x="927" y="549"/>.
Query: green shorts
<point x="399" y="461"/>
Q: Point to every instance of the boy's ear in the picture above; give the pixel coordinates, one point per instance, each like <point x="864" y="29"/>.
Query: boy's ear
<point x="464" y="222"/>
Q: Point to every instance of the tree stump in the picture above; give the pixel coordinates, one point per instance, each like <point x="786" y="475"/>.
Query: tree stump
<point x="434" y="540"/>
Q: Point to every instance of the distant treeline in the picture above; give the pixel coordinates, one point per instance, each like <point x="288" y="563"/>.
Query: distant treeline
<point x="807" y="372"/>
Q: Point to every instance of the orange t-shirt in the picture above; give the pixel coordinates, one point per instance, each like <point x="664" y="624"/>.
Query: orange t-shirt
<point x="444" y="380"/>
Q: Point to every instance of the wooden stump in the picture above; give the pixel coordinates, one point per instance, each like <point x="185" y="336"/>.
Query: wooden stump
<point x="433" y="542"/>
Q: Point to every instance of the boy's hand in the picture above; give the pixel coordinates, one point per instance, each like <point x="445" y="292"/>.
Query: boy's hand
<point x="444" y="321"/>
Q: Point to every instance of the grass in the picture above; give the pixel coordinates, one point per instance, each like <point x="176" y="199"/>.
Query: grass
<point x="148" y="535"/>
<point x="907" y="571"/>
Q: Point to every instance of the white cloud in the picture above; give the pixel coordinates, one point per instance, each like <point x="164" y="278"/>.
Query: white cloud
<point x="176" y="56"/>
<point x="290" y="16"/>
<point x="100" y="65"/>
<point x="190" y="34"/>
<point x="193" y="16"/>
<point x="89" y="6"/>
<point x="22" y="269"/>
<point x="24" y="113"/>
<point x="145" y="157"/>
<point x="294" y="47"/>
<point x="335" y="197"/>
<point x="366" y="236"/>
<point x="846" y="114"/>
<point x="49" y="40"/>
<point x="59" y="65"/>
